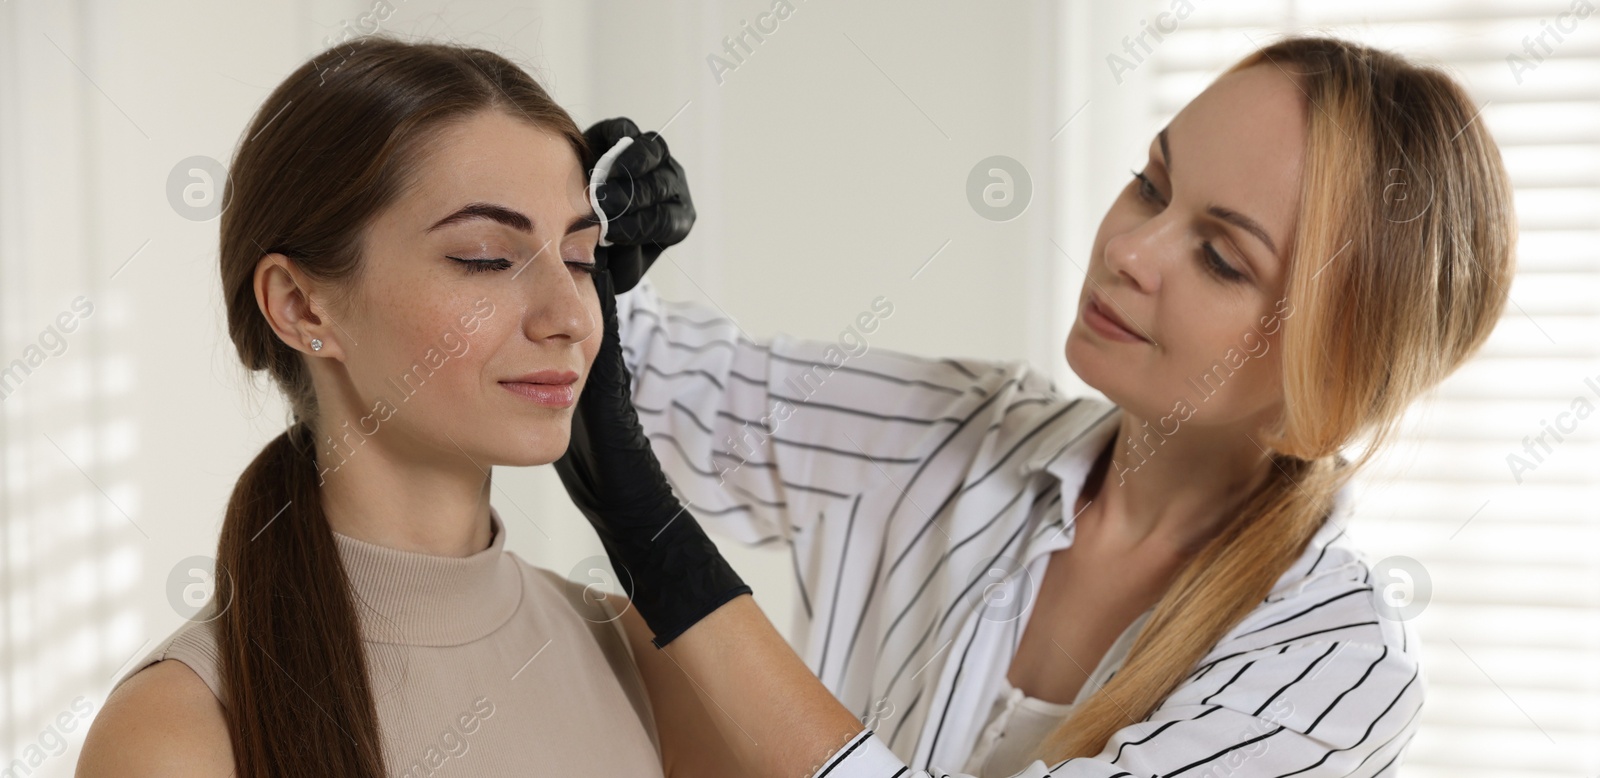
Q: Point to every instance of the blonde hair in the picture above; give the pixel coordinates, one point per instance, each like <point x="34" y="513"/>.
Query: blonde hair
<point x="1403" y="253"/>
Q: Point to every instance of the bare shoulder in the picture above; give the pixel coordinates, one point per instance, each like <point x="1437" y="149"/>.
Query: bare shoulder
<point x="162" y="721"/>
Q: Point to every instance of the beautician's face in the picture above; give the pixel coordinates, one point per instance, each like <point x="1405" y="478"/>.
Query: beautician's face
<point x="478" y="276"/>
<point x="1204" y="296"/>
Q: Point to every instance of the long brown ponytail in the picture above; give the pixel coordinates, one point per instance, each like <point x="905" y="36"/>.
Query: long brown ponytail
<point x="1418" y="285"/>
<point x="330" y="148"/>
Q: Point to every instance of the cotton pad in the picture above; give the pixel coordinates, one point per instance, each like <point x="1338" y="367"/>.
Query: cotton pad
<point x="602" y="171"/>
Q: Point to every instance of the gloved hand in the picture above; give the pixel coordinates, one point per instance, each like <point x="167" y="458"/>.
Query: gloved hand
<point x="645" y="199"/>
<point x="678" y="575"/>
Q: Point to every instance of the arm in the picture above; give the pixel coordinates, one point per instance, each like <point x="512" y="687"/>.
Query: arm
<point x="1316" y="709"/>
<point x="760" y="436"/>
<point x="1353" y="717"/>
<point x="691" y="745"/>
<point x="162" y="721"/>
<point x="774" y="717"/>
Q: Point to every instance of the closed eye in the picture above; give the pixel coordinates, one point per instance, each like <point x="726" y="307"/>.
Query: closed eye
<point x="1147" y="190"/>
<point x="1211" y="261"/>
<point x="1217" y="265"/>
<point x="500" y="263"/>
<point x="483" y="265"/>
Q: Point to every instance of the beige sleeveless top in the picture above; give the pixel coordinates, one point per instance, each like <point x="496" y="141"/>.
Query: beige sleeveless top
<point x="480" y="666"/>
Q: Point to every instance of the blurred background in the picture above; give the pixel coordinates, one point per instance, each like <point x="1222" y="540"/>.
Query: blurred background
<point x="832" y="161"/>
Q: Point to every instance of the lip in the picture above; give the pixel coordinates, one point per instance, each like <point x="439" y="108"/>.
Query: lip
<point x="1103" y="319"/>
<point x="555" y="377"/>
<point x="551" y="388"/>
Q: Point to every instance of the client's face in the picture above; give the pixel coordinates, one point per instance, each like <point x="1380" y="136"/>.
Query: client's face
<point x="475" y="320"/>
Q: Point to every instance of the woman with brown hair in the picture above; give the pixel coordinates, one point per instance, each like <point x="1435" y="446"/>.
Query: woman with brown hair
<point x="408" y="250"/>
<point x="999" y="580"/>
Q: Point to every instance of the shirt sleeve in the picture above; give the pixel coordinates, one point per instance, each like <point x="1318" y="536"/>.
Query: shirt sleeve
<point x="1316" y="709"/>
<point x="758" y="436"/>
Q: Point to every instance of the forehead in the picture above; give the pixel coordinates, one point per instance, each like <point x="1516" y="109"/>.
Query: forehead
<point x="492" y="157"/>
<point x="1240" y="144"/>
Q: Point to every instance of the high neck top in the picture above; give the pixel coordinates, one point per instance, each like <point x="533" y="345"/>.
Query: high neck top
<point x="417" y="599"/>
<point x="479" y="665"/>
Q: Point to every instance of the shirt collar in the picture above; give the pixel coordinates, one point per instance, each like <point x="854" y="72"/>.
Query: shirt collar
<point x="1069" y="452"/>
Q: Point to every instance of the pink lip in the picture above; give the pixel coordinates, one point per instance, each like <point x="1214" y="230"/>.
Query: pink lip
<point x="1100" y="319"/>
<point x="545" y="377"/>
<point x="552" y="388"/>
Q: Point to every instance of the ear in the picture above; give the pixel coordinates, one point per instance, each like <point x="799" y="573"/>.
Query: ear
<point x="293" y="307"/>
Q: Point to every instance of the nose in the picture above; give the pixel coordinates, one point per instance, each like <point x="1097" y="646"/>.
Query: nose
<point x="1136" y="254"/>
<point x="556" y="298"/>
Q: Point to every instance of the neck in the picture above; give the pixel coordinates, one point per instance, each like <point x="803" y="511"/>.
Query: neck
<point x="370" y="494"/>
<point x="1175" y="491"/>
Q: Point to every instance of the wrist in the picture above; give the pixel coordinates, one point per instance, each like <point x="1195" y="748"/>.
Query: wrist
<point x="704" y="609"/>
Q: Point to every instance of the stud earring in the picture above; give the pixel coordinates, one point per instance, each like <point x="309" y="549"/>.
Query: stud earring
<point x="316" y="345"/>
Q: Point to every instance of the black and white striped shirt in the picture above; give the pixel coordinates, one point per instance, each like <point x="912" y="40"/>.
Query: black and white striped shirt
<point x="920" y="500"/>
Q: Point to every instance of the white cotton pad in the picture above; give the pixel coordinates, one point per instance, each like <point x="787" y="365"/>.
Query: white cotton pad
<point x="602" y="171"/>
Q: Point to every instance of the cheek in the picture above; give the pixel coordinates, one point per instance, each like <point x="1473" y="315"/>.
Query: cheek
<point x="590" y="347"/>
<point x="441" y="339"/>
<point x="453" y="326"/>
<point x="1233" y="368"/>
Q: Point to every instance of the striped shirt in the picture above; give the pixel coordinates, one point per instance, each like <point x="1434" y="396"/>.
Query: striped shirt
<point x="919" y="500"/>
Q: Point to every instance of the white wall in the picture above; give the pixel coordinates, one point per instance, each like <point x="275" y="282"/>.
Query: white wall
<point x="831" y="164"/>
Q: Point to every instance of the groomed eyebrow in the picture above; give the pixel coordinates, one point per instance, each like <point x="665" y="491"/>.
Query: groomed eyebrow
<point x="513" y="219"/>
<point x="1226" y="214"/>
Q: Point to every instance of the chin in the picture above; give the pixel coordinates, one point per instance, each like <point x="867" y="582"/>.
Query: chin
<point x="1092" y="367"/>
<point x="530" y="445"/>
<point x="1084" y="361"/>
<point x="542" y="452"/>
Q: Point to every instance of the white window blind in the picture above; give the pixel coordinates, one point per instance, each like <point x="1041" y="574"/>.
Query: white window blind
<point x="1511" y="628"/>
<point x="72" y="519"/>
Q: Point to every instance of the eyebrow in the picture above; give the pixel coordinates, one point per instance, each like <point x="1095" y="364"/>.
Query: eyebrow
<point x="1225" y="214"/>
<point x="513" y="219"/>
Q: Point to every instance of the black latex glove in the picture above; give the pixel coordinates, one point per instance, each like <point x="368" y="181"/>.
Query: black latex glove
<point x="610" y="472"/>
<point x="645" y="198"/>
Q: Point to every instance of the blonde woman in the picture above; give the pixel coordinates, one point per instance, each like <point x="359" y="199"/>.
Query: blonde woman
<point x="1001" y="581"/>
